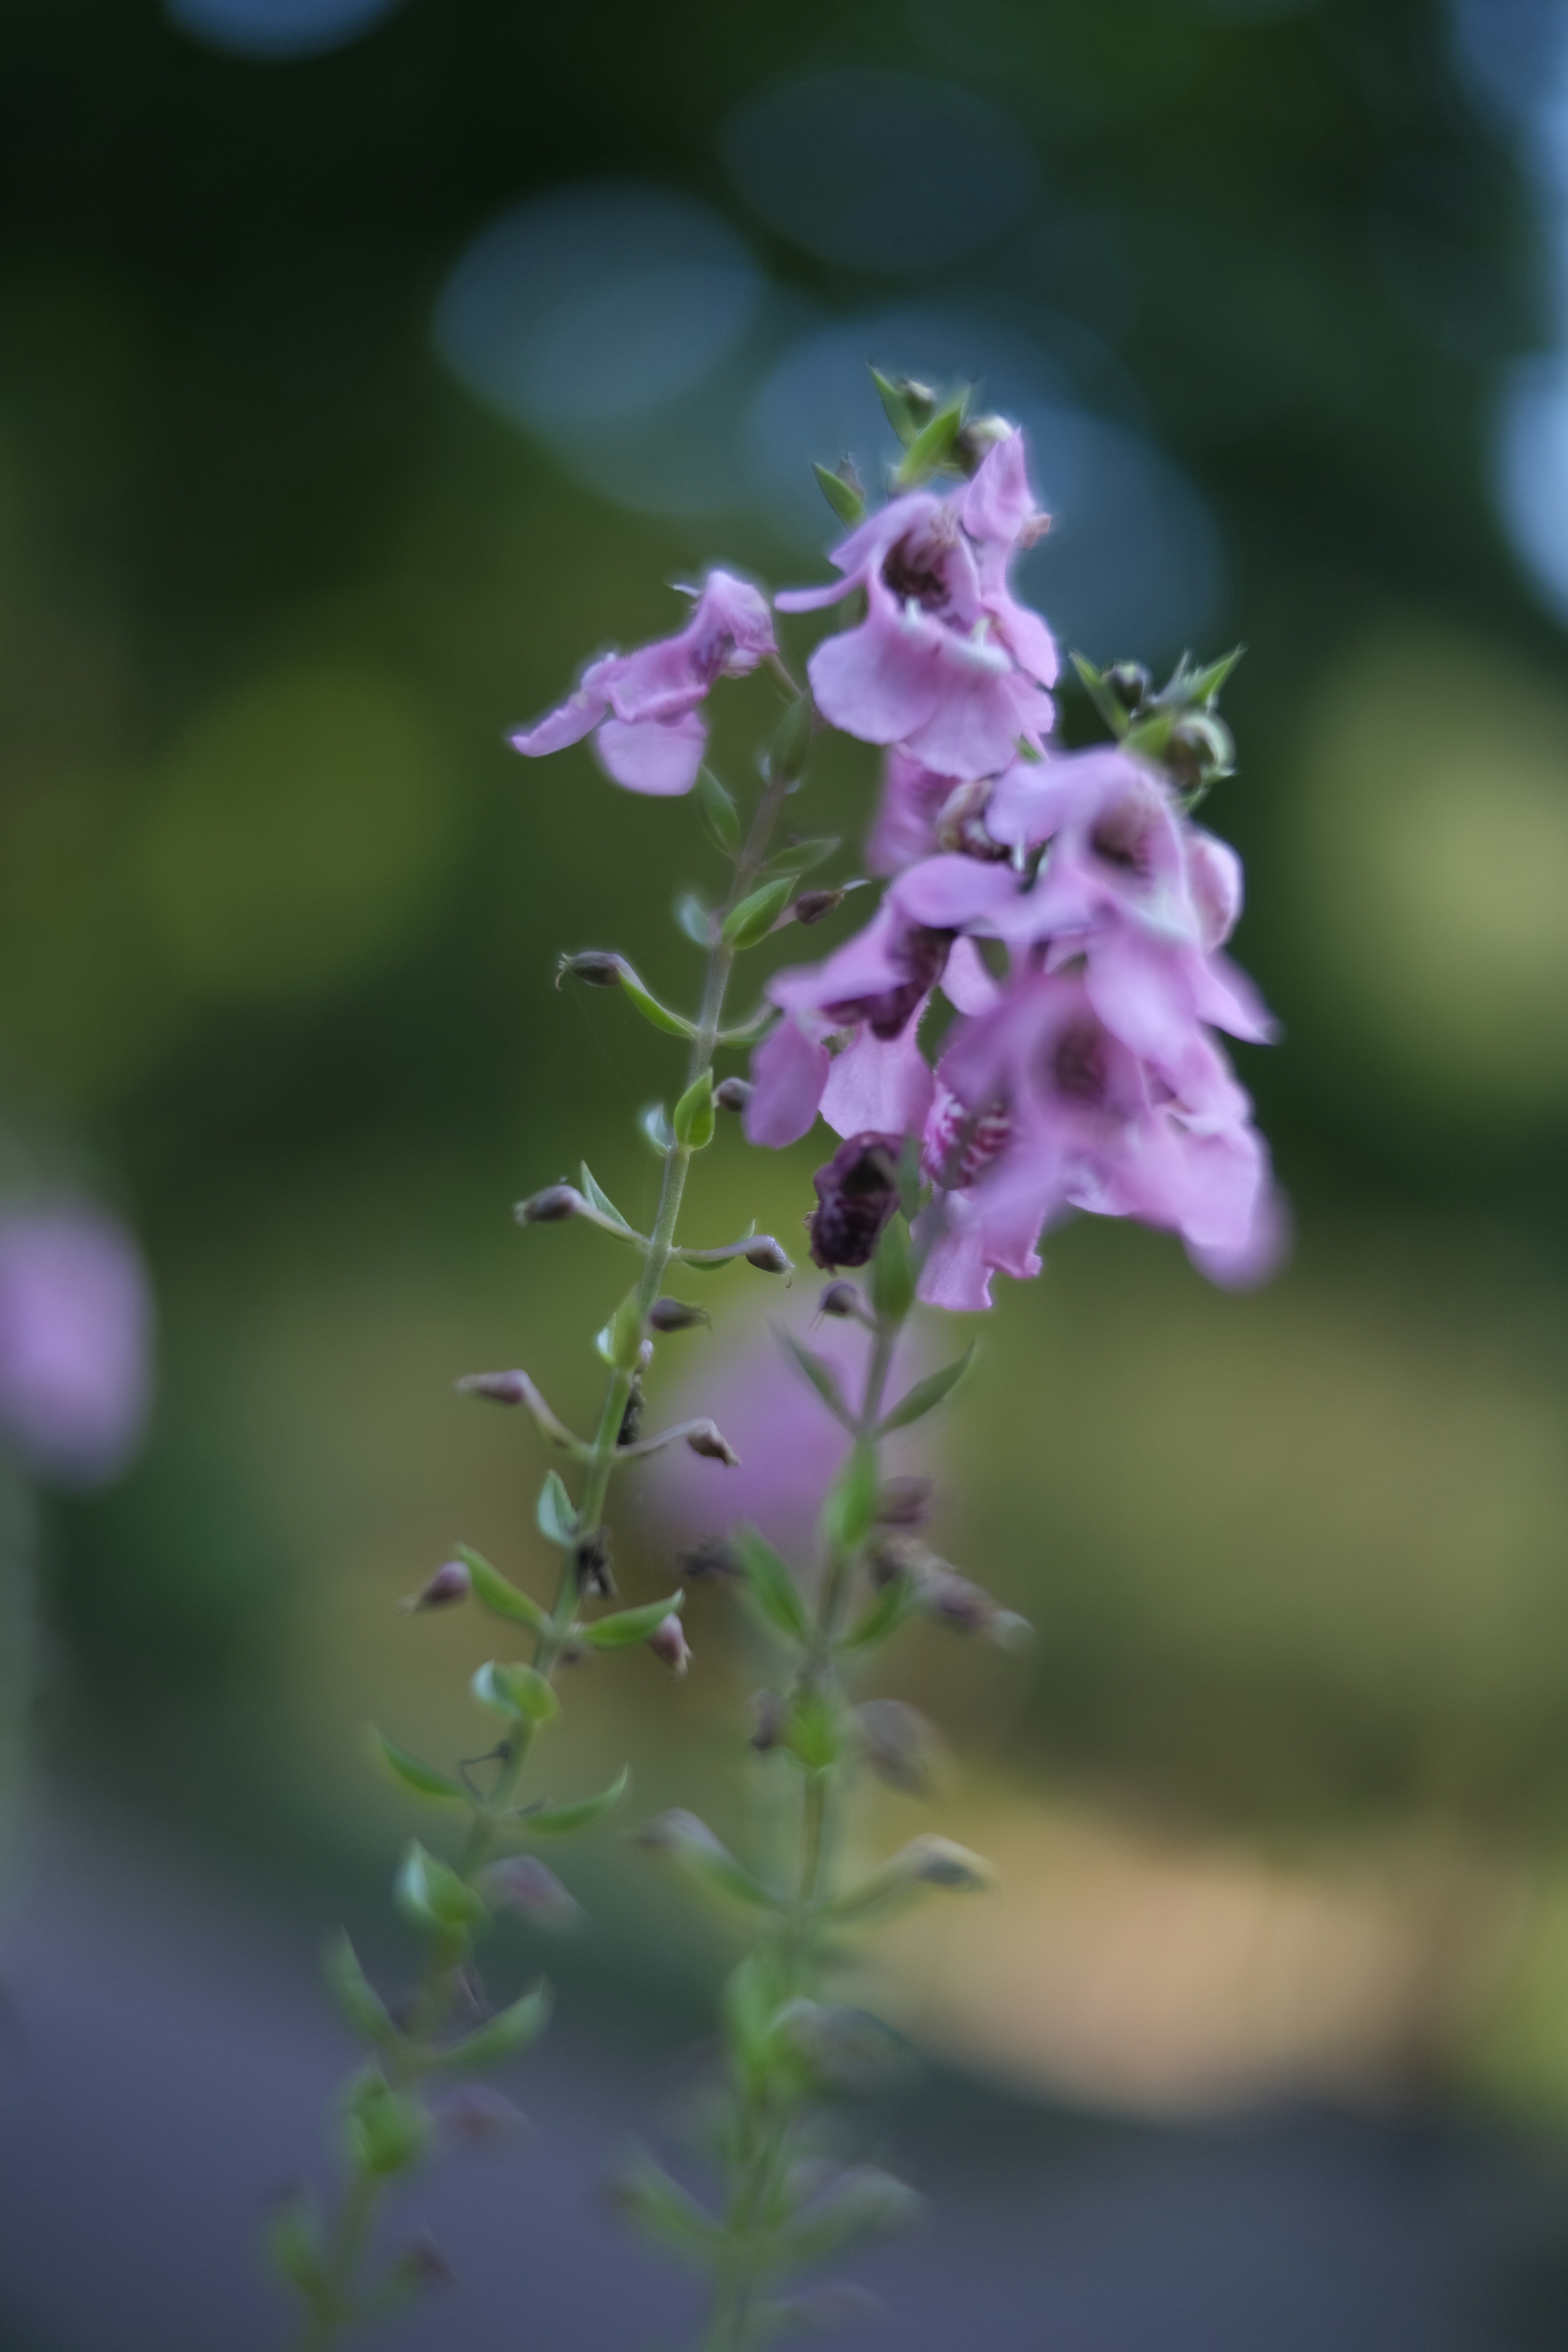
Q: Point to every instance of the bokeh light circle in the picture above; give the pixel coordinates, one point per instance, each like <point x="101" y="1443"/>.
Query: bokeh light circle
<point x="886" y="172"/>
<point x="278" y="28"/>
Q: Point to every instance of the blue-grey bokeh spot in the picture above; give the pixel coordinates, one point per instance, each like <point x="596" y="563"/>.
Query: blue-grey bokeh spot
<point x="278" y="28"/>
<point x="884" y="171"/>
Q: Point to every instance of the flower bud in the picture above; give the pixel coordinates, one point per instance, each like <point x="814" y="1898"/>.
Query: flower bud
<point x="591" y="1557"/>
<point x="548" y="1208"/>
<point x="479" y="2117"/>
<point x="954" y="1600"/>
<point x="667" y="1642"/>
<point x="499" y="1388"/>
<point x="676" y="1315"/>
<point x="770" y="1721"/>
<point x="1130" y="682"/>
<point x="974" y="441"/>
<point x="712" y="1447"/>
<point x="631" y="1420"/>
<point x="712" y="1561"/>
<point x="812" y="905"/>
<point x="857" y="1193"/>
<point x="898" y="1743"/>
<point x="600" y="970"/>
<point x="840" y="1299"/>
<point x="731" y="1094"/>
<point x="1201" y="748"/>
<point x="767" y="1257"/>
<point x="905" y="1502"/>
<point x="531" y="1887"/>
<point x="451" y="1583"/>
<point x="890" y="1556"/>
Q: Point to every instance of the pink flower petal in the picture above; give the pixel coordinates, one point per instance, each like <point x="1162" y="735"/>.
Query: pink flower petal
<point x="659" y="757"/>
<point x="885" y="1086"/>
<point x="789" y="1071"/>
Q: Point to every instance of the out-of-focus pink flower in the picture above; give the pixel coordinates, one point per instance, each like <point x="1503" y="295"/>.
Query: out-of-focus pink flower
<point x="946" y="663"/>
<point x="76" y="1332"/>
<point x="790" y="1446"/>
<point x="642" y="707"/>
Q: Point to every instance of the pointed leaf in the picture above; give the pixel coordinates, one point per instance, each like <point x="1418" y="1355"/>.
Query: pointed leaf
<point x="770" y="1585"/>
<point x="800" y="856"/>
<point x="719" y="814"/>
<point x="658" y="1016"/>
<point x="1100" y="694"/>
<point x="749" y="1032"/>
<point x="896" y="1602"/>
<point x="694" y="918"/>
<point x="601" y="1199"/>
<point x="899" y="414"/>
<point x="694" y="1115"/>
<point x="515" y="1690"/>
<point x="429" y="1892"/>
<point x="925" y="1395"/>
<point x="356" y="1996"/>
<point x="849" y="1512"/>
<point x="655" y="1127"/>
<point x="892" y="1275"/>
<point x="820" y="1373"/>
<point x="1203" y="686"/>
<point x="651" y="2202"/>
<point x="932" y="445"/>
<point x="562" y="1821"/>
<point x="846" y="503"/>
<point x="864" y="2202"/>
<point x="499" y="1595"/>
<point x="422" y="1779"/>
<point x="755" y="916"/>
<point x="701" y="1858"/>
<point x="556" y="1514"/>
<point x="629" y="1626"/>
<point x="503" y="2038"/>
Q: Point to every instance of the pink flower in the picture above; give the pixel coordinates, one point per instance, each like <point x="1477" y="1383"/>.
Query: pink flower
<point x="76" y="1325"/>
<point x="876" y="986"/>
<point x="1045" y="1108"/>
<point x="642" y="707"/>
<point x="945" y="662"/>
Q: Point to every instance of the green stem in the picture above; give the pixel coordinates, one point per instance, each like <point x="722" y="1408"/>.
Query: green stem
<point x="765" y="2123"/>
<point x="357" y="2210"/>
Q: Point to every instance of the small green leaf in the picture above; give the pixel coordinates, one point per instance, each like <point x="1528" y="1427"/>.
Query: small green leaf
<point x="629" y="1626"/>
<point x="600" y="1200"/>
<point x="770" y="1585"/>
<point x="557" y="1517"/>
<point x="925" y="1395"/>
<point x="1202" y="686"/>
<point x="657" y="2205"/>
<point x="755" y="916"/>
<point x="422" y="1779"/>
<point x="896" y="1602"/>
<point x="800" y="856"/>
<point x="515" y="1690"/>
<point x="864" y="2202"/>
<point x="503" y="2038"/>
<point x="749" y="1032"/>
<point x="356" y="1996"/>
<point x="562" y="1821"/>
<point x="700" y="1857"/>
<point x="821" y="1375"/>
<point x="791" y="747"/>
<point x="429" y="1892"/>
<point x="383" y="2131"/>
<point x="814" y="1730"/>
<point x="659" y="1016"/>
<point x="849" y="1512"/>
<point x="932" y="445"/>
<point x="621" y="1340"/>
<point x="655" y="1128"/>
<point x="694" y="1117"/>
<point x="892" y="1277"/>
<point x="900" y="412"/>
<point x="1112" y="711"/>
<point x="718" y="811"/>
<point x="694" y="918"/>
<point x="499" y="1595"/>
<point x="846" y="503"/>
<point x="294" y="2244"/>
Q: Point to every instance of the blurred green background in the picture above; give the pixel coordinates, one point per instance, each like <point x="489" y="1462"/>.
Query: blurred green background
<point x="312" y="481"/>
